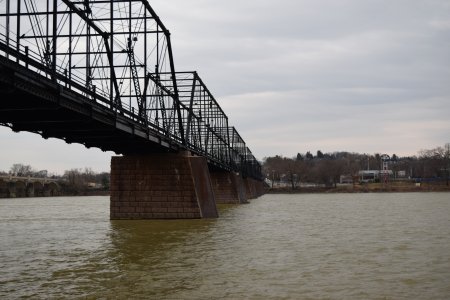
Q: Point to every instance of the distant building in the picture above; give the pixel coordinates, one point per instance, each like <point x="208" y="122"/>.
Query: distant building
<point x="373" y="175"/>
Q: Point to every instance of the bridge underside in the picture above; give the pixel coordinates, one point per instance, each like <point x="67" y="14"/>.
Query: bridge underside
<point x="55" y="112"/>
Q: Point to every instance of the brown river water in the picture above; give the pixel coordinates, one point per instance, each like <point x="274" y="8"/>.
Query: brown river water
<point x="304" y="246"/>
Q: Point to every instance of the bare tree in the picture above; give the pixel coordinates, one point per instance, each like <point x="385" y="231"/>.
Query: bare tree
<point x="21" y="170"/>
<point x="433" y="161"/>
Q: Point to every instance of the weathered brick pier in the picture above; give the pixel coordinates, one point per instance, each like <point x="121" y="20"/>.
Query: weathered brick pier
<point x="174" y="186"/>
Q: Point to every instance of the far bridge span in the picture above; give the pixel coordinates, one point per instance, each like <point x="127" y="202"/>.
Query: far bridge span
<point x="27" y="186"/>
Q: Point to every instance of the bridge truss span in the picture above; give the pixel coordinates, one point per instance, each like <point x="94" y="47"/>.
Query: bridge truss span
<point x="116" y="59"/>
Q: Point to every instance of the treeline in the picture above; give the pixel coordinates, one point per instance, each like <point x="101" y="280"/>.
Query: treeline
<point x="72" y="182"/>
<point x="327" y="168"/>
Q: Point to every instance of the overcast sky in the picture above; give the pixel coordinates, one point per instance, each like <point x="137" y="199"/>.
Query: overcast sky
<point x="367" y="76"/>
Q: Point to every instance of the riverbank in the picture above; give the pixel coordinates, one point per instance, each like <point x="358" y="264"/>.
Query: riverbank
<point x="6" y="194"/>
<point x="365" y="188"/>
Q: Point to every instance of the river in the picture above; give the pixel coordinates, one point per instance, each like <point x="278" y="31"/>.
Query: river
<point x="304" y="246"/>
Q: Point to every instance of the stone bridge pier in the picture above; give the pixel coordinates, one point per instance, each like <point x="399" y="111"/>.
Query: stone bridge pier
<point x="29" y="189"/>
<point x="11" y="189"/>
<point x="232" y="188"/>
<point x="161" y="186"/>
<point x="173" y="186"/>
<point x="229" y="187"/>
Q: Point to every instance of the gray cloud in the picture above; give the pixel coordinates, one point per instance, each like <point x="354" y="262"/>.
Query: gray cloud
<point x="367" y="76"/>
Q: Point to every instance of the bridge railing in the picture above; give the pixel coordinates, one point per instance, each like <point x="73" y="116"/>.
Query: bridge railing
<point x="118" y="54"/>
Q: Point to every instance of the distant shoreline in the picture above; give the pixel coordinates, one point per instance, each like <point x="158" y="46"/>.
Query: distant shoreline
<point x="367" y="188"/>
<point x="62" y="194"/>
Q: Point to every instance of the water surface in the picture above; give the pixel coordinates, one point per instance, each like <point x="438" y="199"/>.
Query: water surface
<point x="316" y="246"/>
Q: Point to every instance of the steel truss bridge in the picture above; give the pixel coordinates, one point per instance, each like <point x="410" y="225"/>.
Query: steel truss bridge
<point x="102" y="73"/>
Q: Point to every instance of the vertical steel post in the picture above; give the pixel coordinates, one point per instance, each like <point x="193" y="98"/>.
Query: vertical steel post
<point x="190" y="109"/>
<point x="8" y="8"/>
<point x="18" y="27"/>
<point x="111" y="63"/>
<point x="228" y="154"/>
<point x="70" y="48"/>
<point x="88" y="50"/>
<point x="144" y="92"/>
<point x="175" y="89"/>
<point x="55" y="34"/>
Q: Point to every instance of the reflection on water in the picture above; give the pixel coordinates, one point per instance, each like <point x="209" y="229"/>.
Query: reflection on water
<point x="341" y="246"/>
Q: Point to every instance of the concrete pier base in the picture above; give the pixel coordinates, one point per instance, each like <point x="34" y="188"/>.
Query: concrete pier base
<point x="12" y="190"/>
<point x="30" y="190"/>
<point x="161" y="186"/>
<point x="228" y="187"/>
<point x="240" y="187"/>
<point x="254" y="188"/>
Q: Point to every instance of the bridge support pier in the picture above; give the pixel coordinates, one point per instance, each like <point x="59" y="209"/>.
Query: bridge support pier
<point x="12" y="190"/>
<point x="254" y="188"/>
<point x="229" y="187"/>
<point x="30" y="189"/>
<point x="161" y="186"/>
